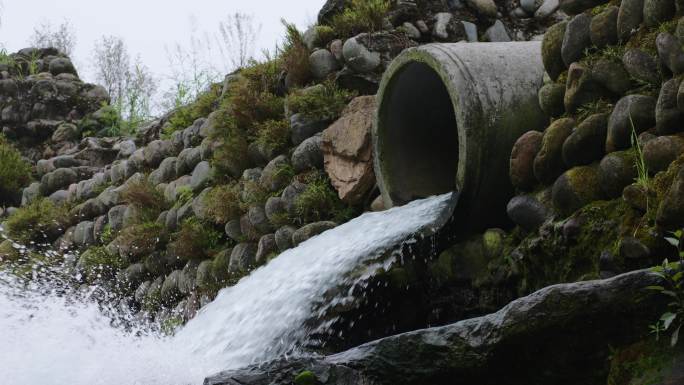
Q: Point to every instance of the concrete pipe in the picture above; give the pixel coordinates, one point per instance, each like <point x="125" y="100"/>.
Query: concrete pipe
<point x="448" y="116"/>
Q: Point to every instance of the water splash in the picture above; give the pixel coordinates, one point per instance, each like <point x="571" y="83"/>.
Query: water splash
<point x="47" y="338"/>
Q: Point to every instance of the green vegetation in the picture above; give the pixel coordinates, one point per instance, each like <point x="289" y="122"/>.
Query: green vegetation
<point x="643" y="179"/>
<point x="588" y="109"/>
<point x="305" y="378"/>
<point x="185" y="115"/>
<point x="195" y="240"/>
<point x="223" y="203"/>
<point x="15" y="173"/>
<point x="40" y="221"/>
<point x="319" y="202"/>
<point x="295" y="56"/>
<point x="672" y="274"/>
<point x="185" y="195"/>
<point x="322" y="102"/>
<point x="147" y="200"/>
<point x="142" y="239"/>
<point x="360" y="16"/>
<point x="273" y="136"/>
<point x="97" y="262"/>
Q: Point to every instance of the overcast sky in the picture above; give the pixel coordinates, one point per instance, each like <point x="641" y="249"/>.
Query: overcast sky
<point x="147" y="26"/>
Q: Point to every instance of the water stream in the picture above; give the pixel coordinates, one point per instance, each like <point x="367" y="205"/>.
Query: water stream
<point x="47" y="339"/>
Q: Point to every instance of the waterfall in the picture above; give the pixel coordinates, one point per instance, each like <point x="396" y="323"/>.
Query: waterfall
<point x="46" y="339"/>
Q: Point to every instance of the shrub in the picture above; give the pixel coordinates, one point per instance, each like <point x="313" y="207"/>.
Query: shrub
<point x="295" y="56"/>
<point x="319" y="201"/>
<point x="263" y="76"/>
<point x="185" y="115"/>
<point x="40" y="221"/>
<point x="250" y="105"/>
<point x="231" y="157"/>
<point x="360" y="16"/>
<point x="145" y="198"/>
<point x="14" y="172"/>
<point x="253" y="194"/>
<point x="322" y="102"/>
<point x="142" y="239"/>
<point x="195" y="240"/>
<point x="273" y="136"/>
<point x="185" y="195"/>
<point x="223" y="203"/>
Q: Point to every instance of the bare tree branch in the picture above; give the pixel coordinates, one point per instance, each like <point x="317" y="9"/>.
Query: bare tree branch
<point x="236" y="38"/>
<point x="62" y="37"/>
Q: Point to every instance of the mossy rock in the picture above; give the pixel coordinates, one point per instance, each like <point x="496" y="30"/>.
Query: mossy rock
<point x="551" y="99"/>
<point x="604" y="27"/>
<point x="587" y="142"/>
<point x="551" y="50"/>
<point x="576" y="188"/>
<point x="617" y="170"/>
<point x="305" y="378"/>
<point x="548" y="164"/>
<point x="8" y="253"/>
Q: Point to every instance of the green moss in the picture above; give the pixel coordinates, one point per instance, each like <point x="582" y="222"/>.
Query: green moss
<point x="645" y="38"/>
<point x="195" y="240"/>
<point x="596" y="107"/>
<point x="319" y="201"/>
<point x="305" y="378"/>
<point x="184" y="196"/>
<point x="8" y="253"/>
<point x="223" y="203"/>
<point x="273" y="136"/>
<point x="360" y="16"/>
<point x="644" y="363"/>
<point x="147" y="200"/>
<point x="15" y="173"/>
<point x="324" y="35"/>
<point x="322" y="102"/>
<point x="39" y="221"/>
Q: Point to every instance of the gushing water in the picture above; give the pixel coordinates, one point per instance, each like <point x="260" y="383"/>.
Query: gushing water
<point x="46" y="339"/>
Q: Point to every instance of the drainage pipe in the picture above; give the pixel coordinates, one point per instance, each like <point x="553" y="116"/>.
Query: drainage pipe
<point x="447" y="118"/>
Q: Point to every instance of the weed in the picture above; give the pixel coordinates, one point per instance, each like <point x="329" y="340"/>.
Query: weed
<point x="322" y="102"/>
<point x="40" y="221"/>
<point x="146" y="199"/>
<point x="295" y="56"/>
<point x="360" y="16"/>
<point x="223" y="203"/>
<point x="195" y="240"/>
<point x="14" y="172"/>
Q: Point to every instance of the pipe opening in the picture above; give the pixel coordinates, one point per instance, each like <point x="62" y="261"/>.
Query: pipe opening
<point x="420" y="135"/>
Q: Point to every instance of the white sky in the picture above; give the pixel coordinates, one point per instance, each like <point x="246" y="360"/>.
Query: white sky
<point x="147" y="26"/>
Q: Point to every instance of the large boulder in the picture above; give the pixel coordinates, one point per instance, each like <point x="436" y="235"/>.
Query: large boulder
<point x="348" y="152"/>
<point x="586" y="319"/>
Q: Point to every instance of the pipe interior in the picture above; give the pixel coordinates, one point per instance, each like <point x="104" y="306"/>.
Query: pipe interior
<point x="420" y="136"/>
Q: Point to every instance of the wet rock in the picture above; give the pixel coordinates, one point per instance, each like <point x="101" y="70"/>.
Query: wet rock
<point x="641" y="66"/>
<point x="629" y="18"/>
<point x="658" y="11"/>
<point x="551" y="99"/>
<point x="84" y="234"/>
<point x="527" y="212"/>
<point x="576" y="39"/>
<point x="587" y="142"/>
<point x="632" y="248"/>
<point x="243" y="257"/>
<point x="667" y="115"/>
<point x="523" y="154"/>
<point x="347" y="150"/>
<point x="476" y="348"/>
<point x="616" y="171"/>
<point x="636" y="196"/>
<point x="661" y="151"/>
<point x="603" y="28"/>
<point x="548" y="164"/>
<point x="671" y="209"/>
<point x="170" y="291"/>
<point x="552" y="46"/>
<point x="311" y="230"/>
<point x="632" y="112"/>
<point x="283" y="237"/>
<point x="266" y="248"/>
<point x="576" y="188"/>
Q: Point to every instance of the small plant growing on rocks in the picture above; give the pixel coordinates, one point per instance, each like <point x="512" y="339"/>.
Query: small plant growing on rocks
<point x="195" y="240"/>
<point x="323" y="102"/>
<point x="360" y="16"/>
<point x="145" y="198"/>
<point x="273" y="136"/>
<point x="295" y="55"/>
<point x="14" y="172"/>
<point x="223" y="203"/>
<point x="672" y="274"/>
<point x="319" y="202"/>
<point x="40" y="221"/>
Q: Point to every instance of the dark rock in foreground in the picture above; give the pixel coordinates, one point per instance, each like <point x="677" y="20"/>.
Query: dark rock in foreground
<point x="539" y="339"/>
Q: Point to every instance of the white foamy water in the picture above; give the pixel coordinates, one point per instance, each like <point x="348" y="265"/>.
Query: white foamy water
<point x="44" y="340"/>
